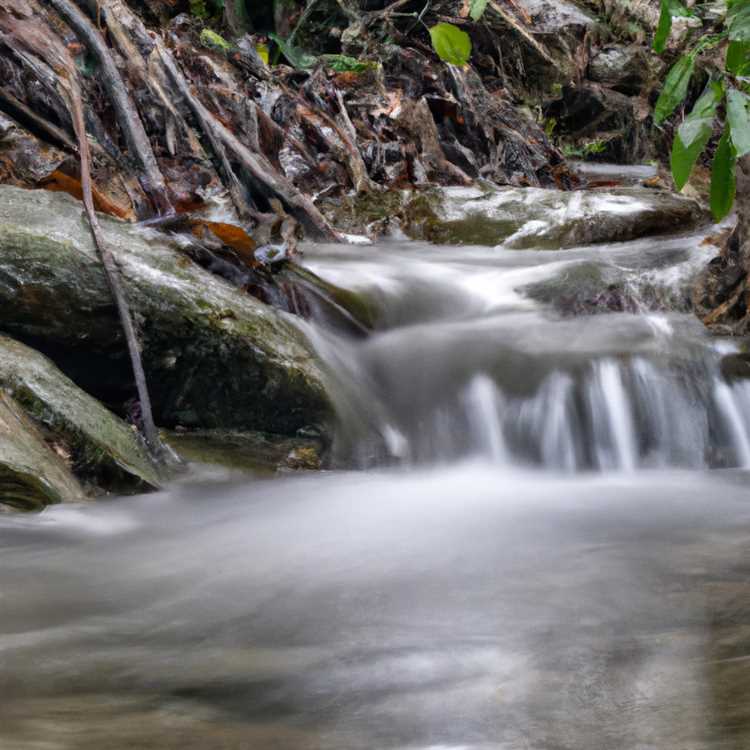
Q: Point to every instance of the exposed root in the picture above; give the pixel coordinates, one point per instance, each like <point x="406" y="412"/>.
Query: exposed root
<point x="129" y="121"/>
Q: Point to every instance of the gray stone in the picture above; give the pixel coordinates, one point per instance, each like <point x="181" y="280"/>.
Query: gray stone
<point x="214" y="356"/>
<point x="551" y="219"/>
<point x="32" y="475"/>
<point x="104" y="450"/>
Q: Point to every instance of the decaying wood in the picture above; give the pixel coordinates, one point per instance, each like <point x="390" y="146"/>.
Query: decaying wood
<point x="112" y="273"/>
<point x="416" y="118"/>
<point x="264" y="178"/>
<point x="129" y="121"/>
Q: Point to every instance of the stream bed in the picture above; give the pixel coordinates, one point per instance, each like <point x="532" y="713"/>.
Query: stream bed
<point x="540" y="541"/>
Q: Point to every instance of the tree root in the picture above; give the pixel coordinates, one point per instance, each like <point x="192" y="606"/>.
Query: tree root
<point x="260" y="172"/>
<point x="135" y="135"/>
<point x="112" y="273"/>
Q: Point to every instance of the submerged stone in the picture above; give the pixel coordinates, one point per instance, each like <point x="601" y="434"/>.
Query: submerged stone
<point x="104" y="450"/>
<point x="546" y="219"/>
<point x="32" y="475"/>
<point x="248" y="452"/>
<point x="214" y="356"/>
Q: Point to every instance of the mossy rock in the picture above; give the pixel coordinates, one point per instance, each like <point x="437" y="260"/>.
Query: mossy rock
<point x="545" y="219"/>
<point x="32" y="475"/>
<point x="258" y="453"/>
<point x="104" y="450"/>
<point x="214" y="356"/>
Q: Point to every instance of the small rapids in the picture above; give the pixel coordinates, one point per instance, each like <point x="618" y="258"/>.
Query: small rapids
<point x="538" y="541"/>
<point x="466" y="364"/>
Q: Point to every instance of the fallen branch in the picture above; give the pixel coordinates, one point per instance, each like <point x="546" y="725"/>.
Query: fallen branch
<point x="527" y="36"/>
<point x="139" y="145"/>
<point x="150" y="433"/>
<point x="260" y="171"/>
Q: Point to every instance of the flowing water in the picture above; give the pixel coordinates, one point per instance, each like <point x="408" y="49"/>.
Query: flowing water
<point x="541" y="541"/>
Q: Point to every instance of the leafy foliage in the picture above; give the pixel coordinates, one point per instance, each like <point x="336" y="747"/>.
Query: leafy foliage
<point x="669" y="10"/>
<point x="477" y="8"/>
<point x="215" y="41"/>
<point x="723" y="182"/>
<point x="725" y="92"/>
<point x="451" y="43"/>
<point x="297" y="57"/>
<point x="675" y="88"/>
<point x="694" y="134"/>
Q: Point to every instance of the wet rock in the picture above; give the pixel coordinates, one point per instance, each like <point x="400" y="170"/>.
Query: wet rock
<point x="344" y="309"/>
<point x="591" y="287"/>
<point x="103" y="449"/>
<point x="25" y="160"/>
<point x="548" y="219"/>
<point x="32" y="475"/>
<point x="624" y="68"/>
<point x="214" y="357"/>
<point x="599" y="122"/>
<point x="736" y="366"/>
<point x="562" y="28"/>
<point x="249" y="452"/>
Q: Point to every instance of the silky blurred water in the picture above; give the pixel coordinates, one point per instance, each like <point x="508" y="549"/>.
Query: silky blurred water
<point x="541" y="542"/>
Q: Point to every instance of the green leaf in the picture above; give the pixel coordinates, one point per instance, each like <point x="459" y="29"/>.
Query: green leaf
<point x="213" y="40"/>
<point x="723" y="183"/>
<point x="297" y="58"/>
<point x="477" y="8"/>
<point x="738" y="58"/>
<point x="699" y="122"/>
<point x="451" y="44"/>
<point x="669" y="9"/>
<point x="346" y="64"/>
<point x="675" y="88"/>
<point x="682" y="160"/>
<point x="738" y="22"/>
<point x="694" y="133"/>
<point x="738" y="119"/>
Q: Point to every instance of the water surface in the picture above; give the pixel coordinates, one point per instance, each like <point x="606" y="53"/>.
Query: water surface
<point x="543" y="543"/>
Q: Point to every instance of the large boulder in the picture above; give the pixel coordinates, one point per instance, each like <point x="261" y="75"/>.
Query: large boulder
<point x="103" y="449"/>
<point x="32" y="475"/>
<point x="598" y="122"/>
<point x="561" y="28"/>
<point x="214" y="356"/>
<point x="547" y="219"/>
<point x="625" y="68"/>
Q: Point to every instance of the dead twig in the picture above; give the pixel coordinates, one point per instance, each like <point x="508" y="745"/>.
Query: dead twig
<point x="139" y="145"/>
<point x="261" y="173"/>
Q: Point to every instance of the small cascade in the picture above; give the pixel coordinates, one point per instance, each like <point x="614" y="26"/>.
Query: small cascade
<point x="483" y="407"/>
<point x="467" y="365"/>
<point x="612" y="428"/>
<point x="729" y="403"/>
<point x="613" y="415"/>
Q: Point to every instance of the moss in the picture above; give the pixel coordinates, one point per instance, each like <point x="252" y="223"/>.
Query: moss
<point x="212" y="354"/>
<point x="355" y="213"/>
<point x="251" y="452"/>
<point x="215" y="41"/>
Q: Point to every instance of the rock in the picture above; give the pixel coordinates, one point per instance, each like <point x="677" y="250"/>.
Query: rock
<point x="103" y="449"/>
<point x="25" y="160"/>
<point x="249" y="452"/>
<point x="736" y="366"/>
<point x="214" y="356"/>
<point x="561" y="27"/>
<point x="547" y="219"/>
<point x="624" y="68"/>
<point x="591" y="287"/>
<point x="601" y="123"/>
<point x="31" y="474"/>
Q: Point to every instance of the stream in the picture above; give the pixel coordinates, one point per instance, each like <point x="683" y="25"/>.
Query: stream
<point x="540" y="542"/>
